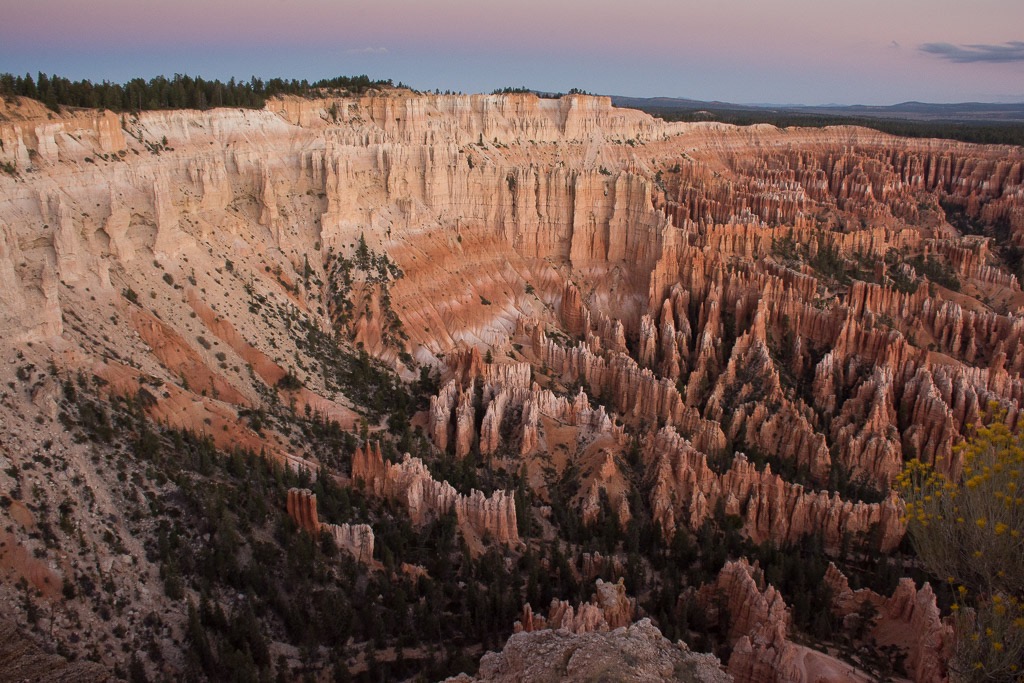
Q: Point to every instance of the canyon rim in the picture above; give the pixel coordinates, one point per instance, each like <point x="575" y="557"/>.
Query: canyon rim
<point x="491" y="387"/>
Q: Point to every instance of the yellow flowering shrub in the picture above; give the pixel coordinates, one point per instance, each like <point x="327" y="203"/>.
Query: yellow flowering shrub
<point x="968" y="528"/>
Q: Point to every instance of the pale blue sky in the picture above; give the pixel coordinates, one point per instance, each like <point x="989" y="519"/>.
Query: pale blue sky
<point x="782" y="51"/>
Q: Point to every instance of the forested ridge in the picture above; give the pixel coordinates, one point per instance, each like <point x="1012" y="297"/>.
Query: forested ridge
<point x="978" y="132"/>
<point x="179" y="92"/>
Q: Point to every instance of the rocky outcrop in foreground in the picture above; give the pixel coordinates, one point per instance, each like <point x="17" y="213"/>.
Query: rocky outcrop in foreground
<point x="21" y="660"/>
<point x="633" y="653"/>
<point x="595" y="641"/>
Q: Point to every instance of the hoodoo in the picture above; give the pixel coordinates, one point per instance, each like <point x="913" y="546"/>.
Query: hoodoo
<point x="518" y="346"/>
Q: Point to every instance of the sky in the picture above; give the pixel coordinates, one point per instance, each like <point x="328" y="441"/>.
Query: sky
<point x="744" y="51"/>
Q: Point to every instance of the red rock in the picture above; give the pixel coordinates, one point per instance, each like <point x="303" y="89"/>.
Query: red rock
<point x="867" y="433"/>
<point x="909" y="620"/>
<point x="410" y="483"/>
<point x="441" y="406"/>
<point x="572" y="309"/>
<point x="609" y="608"/>
<point x="686" y="491"/>
<point x="465" y="416"/>
<point x="302" y="509"/>
<point x="356" y="539"/>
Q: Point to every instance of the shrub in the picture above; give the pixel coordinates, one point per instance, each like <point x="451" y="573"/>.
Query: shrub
<point x="290" y="382"/>
<point x="968" y="530"/>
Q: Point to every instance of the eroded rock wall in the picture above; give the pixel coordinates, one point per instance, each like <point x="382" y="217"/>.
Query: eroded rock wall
<point x="410" y="483"/>
<point x="355" y="539"/>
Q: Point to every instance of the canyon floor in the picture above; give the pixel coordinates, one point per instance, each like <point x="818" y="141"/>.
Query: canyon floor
<point x="367" y="387"/>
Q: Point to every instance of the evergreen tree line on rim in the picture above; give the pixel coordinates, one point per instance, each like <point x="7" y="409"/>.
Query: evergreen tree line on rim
<point x="179" y="92"/>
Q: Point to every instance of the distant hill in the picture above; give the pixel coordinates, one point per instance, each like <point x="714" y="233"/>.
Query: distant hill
<point x="923" y="111"/>
<point x="912" y="111"/>
<point x="978" y="122"/>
